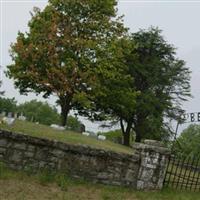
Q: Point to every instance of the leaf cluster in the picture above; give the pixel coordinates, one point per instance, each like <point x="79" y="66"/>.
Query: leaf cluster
<point x="188" y="143"/>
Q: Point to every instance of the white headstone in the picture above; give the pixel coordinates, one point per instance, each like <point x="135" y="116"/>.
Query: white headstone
<point x="8" y="120"/>
<point x="22" y="118"/>
<point x="85" y="133"/>
<point x="57" y="127"/>
<point x="101" y="137"/>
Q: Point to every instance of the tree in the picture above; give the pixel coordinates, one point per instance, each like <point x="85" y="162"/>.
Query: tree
<point x="39" y="112"/>
<point x="162" y="79"/>
<point x="1" y="92"/>
<point x="188" y="143"/>
<point x="158" y="83"/>
<point x="8" y="105"/>
<point x="113" y="96"/>
<point x="63" y="44"/>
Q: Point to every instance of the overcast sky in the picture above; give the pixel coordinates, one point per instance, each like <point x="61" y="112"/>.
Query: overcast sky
<point x="179" y="20"/>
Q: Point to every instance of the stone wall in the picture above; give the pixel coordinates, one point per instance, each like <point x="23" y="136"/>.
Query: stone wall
<point x="144" y="170"/>
<point x="23" y="152"/>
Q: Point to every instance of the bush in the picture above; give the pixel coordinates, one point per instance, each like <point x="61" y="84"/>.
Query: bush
<point x="116" y="136"/>
<point x="74" y="124"/>
<point x="188" y="143"/>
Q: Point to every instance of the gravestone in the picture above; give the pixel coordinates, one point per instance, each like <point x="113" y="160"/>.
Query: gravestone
<point x="10" y="114"/>
<point x="15" y="115"/>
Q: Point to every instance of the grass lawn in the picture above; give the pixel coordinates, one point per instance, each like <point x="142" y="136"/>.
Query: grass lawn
<point x="43" y="131"/>
<point x="43" y="186"/>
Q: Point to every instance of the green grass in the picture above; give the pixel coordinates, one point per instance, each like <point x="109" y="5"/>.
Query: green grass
<point x="43" y="186"/>
<point x="70" y="137"/>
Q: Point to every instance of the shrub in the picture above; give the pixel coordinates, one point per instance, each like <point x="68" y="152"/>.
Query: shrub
<point x="116" y="136"/>
<point x="74" y="124"/>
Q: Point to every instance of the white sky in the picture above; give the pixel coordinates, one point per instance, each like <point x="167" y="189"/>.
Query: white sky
<point x="179" y="20"/>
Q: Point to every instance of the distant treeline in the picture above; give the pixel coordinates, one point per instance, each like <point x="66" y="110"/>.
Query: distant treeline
<point x="36" y="111"/>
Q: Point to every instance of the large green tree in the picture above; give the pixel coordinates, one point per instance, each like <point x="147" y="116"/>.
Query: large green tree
<point x="63" y="44"/>
<point x="112" y="94"/>
<point x="155" y="84"/>
<point x="162" y="79"/>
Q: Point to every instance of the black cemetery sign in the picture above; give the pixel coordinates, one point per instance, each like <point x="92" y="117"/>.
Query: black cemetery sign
<point x="191" y="117"/>
<point x="187" y="118"/>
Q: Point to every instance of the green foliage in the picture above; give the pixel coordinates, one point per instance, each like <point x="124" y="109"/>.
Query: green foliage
<point x="65" y="42"/>
<point x="39" y="112"/>
<point x="188" y="143"/>
<point x="46" y="176"/>
<point x="73" y="124"/>
<point x="115" y="136"/>
<point x="112" y="93"/>
<point x="1" y="92"/>
<point x="2" y="170"/>
<point x="162" y="79"/>
<point x="8" y="104"/>
<point x="158" y="83"/>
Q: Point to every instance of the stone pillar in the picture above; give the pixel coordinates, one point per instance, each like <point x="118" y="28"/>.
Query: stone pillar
<point x="153" y="162"/>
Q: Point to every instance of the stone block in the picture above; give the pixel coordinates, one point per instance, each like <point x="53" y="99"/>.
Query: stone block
<point x="42" y="164"/>
<point x="58" y="153"/>
<point x="130" y="174"/>
<point x="16" y="156"/>
<point x="140" y="185"/>
<point x="3" y="142"/>
<point x="151" y="166"/>
<point x="31" y="164"/>
<point x="51" y="165"/>
<point x="147" y="174"/>
<point x="14" y="166"/>
<point x="117" y="183"/>
<point x="154" y="143"/>
<point x="42" y="154"/>
<point x="29" y="154"/>
<point x="21" y="146"/>
<point x="103" y="175"/>
<point x="31" y="148"/>
<point x="2" y="150"/>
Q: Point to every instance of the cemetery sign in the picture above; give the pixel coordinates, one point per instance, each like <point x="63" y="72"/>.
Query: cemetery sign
<point x="191" y="117"/>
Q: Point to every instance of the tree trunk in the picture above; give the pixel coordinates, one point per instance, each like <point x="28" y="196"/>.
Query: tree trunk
<point x="65" y="104"/>
<point x="126" y="138"/>
<point x="64" y="115"/>
<point x="139" y="128"/>
<point x="138" y="136"/>
<point x="126" y="133"/>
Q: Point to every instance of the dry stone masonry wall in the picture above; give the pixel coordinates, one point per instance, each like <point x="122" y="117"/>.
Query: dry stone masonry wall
<point x="23" y="152"/>
<point x="143" y="170"/>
